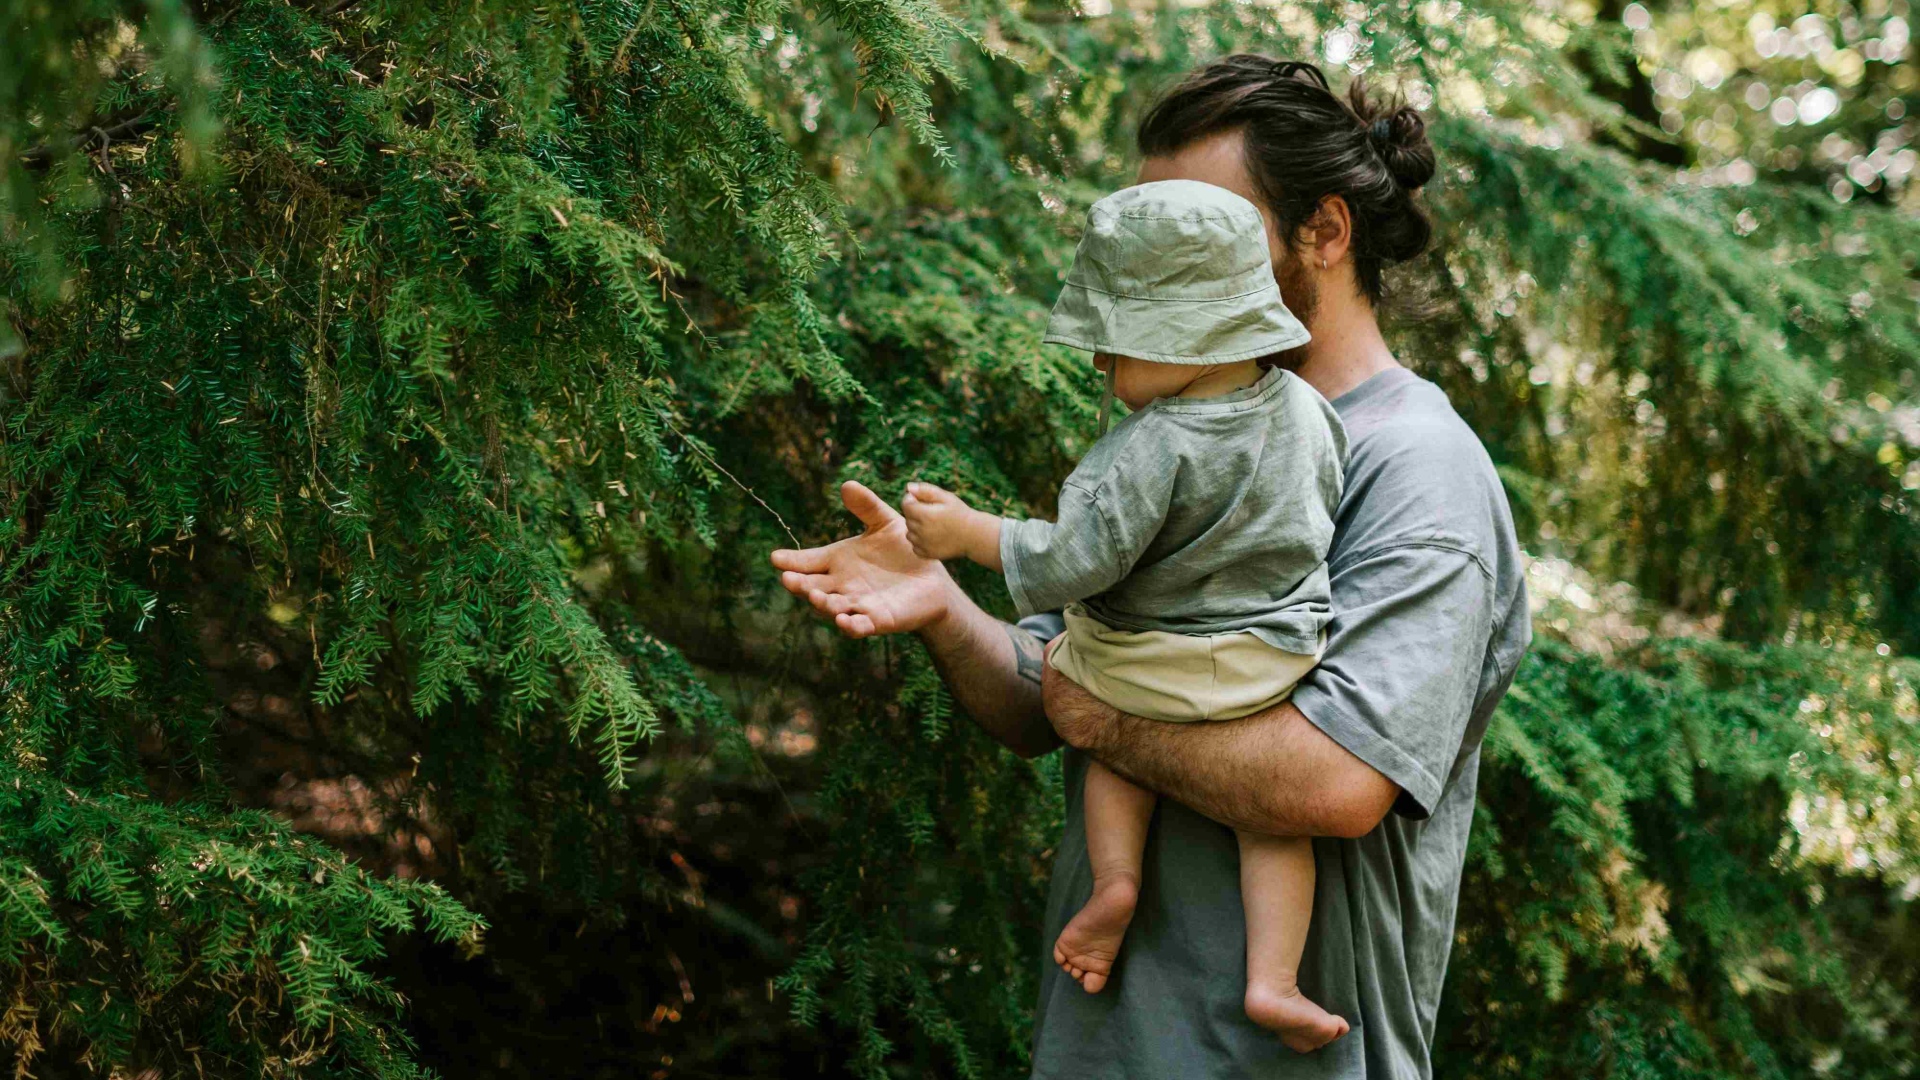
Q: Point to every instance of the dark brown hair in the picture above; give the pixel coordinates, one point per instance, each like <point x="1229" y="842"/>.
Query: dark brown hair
<point x="1304" y="143"/>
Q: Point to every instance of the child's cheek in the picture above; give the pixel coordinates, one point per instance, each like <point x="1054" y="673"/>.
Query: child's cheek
<point x="1138" y="384"/>
<point x="1132" y="385"/>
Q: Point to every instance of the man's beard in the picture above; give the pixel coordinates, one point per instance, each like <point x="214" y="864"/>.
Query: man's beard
<point x="1301" y="294"/>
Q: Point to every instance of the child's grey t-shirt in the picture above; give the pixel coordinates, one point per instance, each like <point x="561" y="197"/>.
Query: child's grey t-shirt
<point x="1196" y="516"/>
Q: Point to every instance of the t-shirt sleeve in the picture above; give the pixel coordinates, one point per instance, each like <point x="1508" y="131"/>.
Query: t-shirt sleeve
<point x="1044" y="625"/>
<point x="1050" y="564"/>
<point x="1403" y="661"/>
<point x="1105" y="522"/>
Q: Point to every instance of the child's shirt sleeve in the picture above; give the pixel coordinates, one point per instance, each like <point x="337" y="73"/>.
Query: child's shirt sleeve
<point x="1111" y="508"/>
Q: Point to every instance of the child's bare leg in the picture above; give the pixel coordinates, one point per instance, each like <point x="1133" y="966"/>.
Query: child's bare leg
<point x="1276" y="887"/>
<point x="1117" y="815"/>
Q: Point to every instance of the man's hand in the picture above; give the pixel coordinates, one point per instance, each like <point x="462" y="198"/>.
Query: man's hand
<point x="941" y="525"/>
<point x="872" y="583"/>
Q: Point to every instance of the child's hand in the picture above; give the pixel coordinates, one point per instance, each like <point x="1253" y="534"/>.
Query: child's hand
<point x="940" y="525"/>
<point x="934" y="521"/>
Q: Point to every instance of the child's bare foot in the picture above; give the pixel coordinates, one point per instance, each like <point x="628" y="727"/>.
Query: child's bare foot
<point x="1087" y="947"/>
<point x="1302" y="1025"/>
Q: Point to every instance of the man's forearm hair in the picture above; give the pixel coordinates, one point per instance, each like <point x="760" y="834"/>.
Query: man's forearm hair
<point x="994" y="671"/>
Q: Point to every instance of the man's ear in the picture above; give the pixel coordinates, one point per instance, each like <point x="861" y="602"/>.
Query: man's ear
<point x="1330" y="231"/>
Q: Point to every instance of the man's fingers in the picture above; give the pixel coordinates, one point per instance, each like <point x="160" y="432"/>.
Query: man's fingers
<point x="871" y="509"/>
<point x="831" y="603"/>
<point x="854" y="625"/>
<point x="802" y="584"/>
<point x="804" y="560"/>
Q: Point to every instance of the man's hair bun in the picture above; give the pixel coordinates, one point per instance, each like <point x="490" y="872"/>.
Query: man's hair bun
<point x="1398" y="134"/>
<point x="1401" y="138"/>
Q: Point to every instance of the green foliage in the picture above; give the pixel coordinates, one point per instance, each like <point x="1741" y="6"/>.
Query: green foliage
<point x="181" y="934"/>
<point x="1636" y="858"/>
<point x="418" y="387"/>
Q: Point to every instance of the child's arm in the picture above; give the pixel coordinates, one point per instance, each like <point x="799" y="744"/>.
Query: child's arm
<point x="1110" y="509"/>
<point x="942" y="526"/>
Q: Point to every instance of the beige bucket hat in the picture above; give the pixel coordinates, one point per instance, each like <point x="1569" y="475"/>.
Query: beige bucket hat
<point x="1176" y="272"/>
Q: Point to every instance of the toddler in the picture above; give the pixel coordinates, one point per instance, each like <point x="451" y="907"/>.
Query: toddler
<point x="1190" y="550"/>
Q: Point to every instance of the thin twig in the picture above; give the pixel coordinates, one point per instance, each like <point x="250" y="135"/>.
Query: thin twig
<point x="698" y="449"/>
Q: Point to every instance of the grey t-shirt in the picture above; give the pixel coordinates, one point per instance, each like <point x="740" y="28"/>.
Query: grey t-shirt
<point x="1196" y="516"/>
<point x="1430" y="618"/>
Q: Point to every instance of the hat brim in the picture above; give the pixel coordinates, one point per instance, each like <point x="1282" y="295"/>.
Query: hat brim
<point x="1223" y="331"/>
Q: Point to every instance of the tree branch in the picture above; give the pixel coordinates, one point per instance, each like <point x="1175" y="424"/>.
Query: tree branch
<point x="101" y="137"/>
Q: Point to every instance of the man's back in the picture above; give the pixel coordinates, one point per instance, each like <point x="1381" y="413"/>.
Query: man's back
<point x="1430" y="619"/>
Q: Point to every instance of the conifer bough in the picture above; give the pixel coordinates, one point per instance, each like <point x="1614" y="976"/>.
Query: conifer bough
<point x="409" y="393"/>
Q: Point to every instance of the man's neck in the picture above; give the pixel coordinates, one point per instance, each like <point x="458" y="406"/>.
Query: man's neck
<point x="1346" y="349"/>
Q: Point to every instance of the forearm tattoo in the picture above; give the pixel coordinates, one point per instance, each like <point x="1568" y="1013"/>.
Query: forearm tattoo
<point x="1027" y="658"/>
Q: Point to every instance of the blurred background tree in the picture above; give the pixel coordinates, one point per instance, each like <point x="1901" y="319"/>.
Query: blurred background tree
<point x="400" y="400"/>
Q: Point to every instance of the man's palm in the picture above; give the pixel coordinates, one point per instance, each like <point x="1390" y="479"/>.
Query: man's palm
<point x="872" y="583"/>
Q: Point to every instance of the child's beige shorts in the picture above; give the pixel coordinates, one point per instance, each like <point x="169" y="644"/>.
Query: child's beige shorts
<point x="1177" y="677"/>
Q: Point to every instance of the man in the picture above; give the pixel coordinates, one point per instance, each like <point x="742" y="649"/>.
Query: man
<point x="1378" y="753"/>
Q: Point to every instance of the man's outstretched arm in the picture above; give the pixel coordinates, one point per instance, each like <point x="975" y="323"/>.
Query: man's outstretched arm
<point x="1272" y="772"/>
<point x="993" y="670"/>
<point x="873" y="584"/>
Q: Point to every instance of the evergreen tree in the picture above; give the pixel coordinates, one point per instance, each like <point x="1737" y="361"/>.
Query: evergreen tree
<point x="400" y="401"/>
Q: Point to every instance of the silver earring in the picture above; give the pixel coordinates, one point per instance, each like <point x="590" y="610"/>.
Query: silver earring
<point x="1323" y="263"/>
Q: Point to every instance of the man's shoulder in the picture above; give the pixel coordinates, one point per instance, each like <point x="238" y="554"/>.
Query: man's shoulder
<point x="1416" y="473"/>
<point x="1411" y="414"/>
